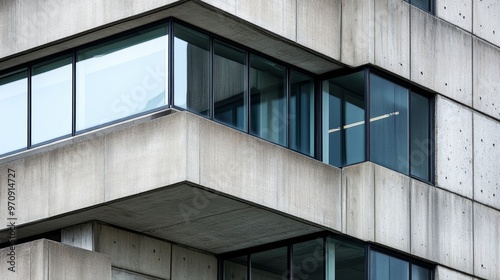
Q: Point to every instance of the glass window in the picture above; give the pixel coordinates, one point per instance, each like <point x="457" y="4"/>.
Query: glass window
<point x="236" y="268"/>
<point x="51" y="100"/>
<point x="230" y="96"/>
<point x="420" y="144"/>
<point x="121" y="78"/>
<point x="345" y="260"/>
<point x="420" y="273"/>
<point x="384" y="267"/>
<point x="301" y="114"/>
<point x="191" y="70"/>
<point x="270" y="264"/>
<point x="13" y="112"/>
<point x="268" y="100"/>
<point x="344" y="119"/>
<point x="389" y="124"/>
<point x="309" y="260"/>
<point x="426" y="5"/>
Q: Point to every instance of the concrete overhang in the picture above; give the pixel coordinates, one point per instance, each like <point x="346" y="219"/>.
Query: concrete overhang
<point x="178" y="177"/>
<point x="195" y="12"/>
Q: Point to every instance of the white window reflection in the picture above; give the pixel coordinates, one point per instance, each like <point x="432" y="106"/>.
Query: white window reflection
<point x="13" y="112"/>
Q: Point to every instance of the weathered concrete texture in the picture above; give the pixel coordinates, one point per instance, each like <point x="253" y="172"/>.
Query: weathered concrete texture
<point x="48" y="260"/>
<point x="133" y="251"/>
<point x="441" y="226"/>
<point x="443" y="273"/>
<point x="231" y="162"/>
<point x="486" y="81"/>
<point x="487" y="20"/>
<point x="122" y="274"/>
<point x="189" y="264"/>
<point x="29" y="20"/>
<point x="457" y="12"/>
<point x="453" y="147"/>
<point x="80" y="236"/>
<point x="441" y="56"/>
<point x="358" y="188"/>
<point x="486" y="242"/>
<point x="486" y="156"/>
<point x="225" y="5"/>
<point x="318" y="26"/>
<point x="277" y="16"/>
<point x="392" y="209"/>
<point x="357" y="32"/>
<point x="154" y="157"/>
<point x="392" y="36"/>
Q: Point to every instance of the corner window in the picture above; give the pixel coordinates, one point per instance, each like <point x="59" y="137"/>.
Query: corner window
<point x="13" y="112"/>
<point x="400" y="123"/>
<point x="426" y="5"/>
<point x="121" y="78"/>
<point x="386" y="267"/>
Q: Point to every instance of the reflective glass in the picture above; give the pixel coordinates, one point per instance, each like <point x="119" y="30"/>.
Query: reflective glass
<point x="384" y="267"/>
<point x="121" y="78"/>
<point x="235" y="268"/>
<point x="51" y="100"/>
<point x="269" y="265"/>
<point x="420" y="273"/>
<point x="268" y="100"/>
<point x="13" y="112"/>
<point x="344" y="119"/>
<point x="230" y="96"/>
<point x="389" y="124"/>
<point x="345" y="260"/>
<point x="423" y="4"/>
<point x="301" y="113"/>
<point x="309" y="260"/>
<point x="191" y="70"/>
<point x="420" y="144"/>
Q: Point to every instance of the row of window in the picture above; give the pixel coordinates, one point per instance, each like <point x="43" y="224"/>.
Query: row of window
<point x="149" y="70"/>
<point x="324" y="257"/>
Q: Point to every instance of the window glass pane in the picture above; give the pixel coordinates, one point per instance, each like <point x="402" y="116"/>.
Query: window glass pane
<point x="269" y="265"/>
<point x="345" y="260"/>
<point x="384" y="267"/>
<point x="422" y="4"/>
<point x="389" y="124"/>
<point x="51" y="100"/>
<point x="236" y="268"/>
<point x="268" y="100"/>
<point x="121" y="78"/>
<point x="420" y="273"/>
<point x="420" y="136"/>
<point x="309" y="260"/>
<point x="230" y="97"/>
<point x="191" y="70"/>
<point x="13" y="112"/>
<point x="343" y="120"/>
<point x="301" y="114"/>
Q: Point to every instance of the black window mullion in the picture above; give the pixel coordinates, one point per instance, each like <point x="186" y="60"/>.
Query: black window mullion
<point x="249" y="266"/>
<point x="367" y="114"/>
<point x="287" y="109"/>
<point x="318" y="127"/>
<point x="73" y="95"/>
<point x="211" y="107"/>
<point x="170" y="65"/>
<point x="290" y="262"/>
<point x="249" y="92"/>
<point x="28" y="142"/>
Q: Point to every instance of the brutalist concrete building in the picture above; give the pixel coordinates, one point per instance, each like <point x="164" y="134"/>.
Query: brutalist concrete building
<point x="250" y="139"/>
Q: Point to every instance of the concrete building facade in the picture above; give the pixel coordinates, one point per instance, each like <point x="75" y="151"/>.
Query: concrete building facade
<point x="237" y="139"/>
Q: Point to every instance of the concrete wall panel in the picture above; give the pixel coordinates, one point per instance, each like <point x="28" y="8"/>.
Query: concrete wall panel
<point x="359" y="188"/>
<point x="487" y="20"/>
<point x="486" y="242"/>
<point x="80" y="236"/>
<point x="443" y="273"/>
<point x="134" y="252"/>
<point x="77" y="175"/>
<point x="453" y="147"/>
<point x="121" y="274"/>
<point x="441" y="226"/>
<point x="392" y="209"/>
<point x="34" y="197"/>
<point x="486" y="155"/>
<point x="457" y="12"/>
<point x="486" y="80"/>
<point x="318" y="25"/>
<point x="23" y="267"/>
<point x="189" y="264"/>
<point x="392" y="36"/>
<point x="225" y="5"/>
<point x="18" y="170"/>
<point x="441" y="56"/>
<point x="279" y="16"/>
<point x="357" y="32"/>
<point x="155" y="156"/>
